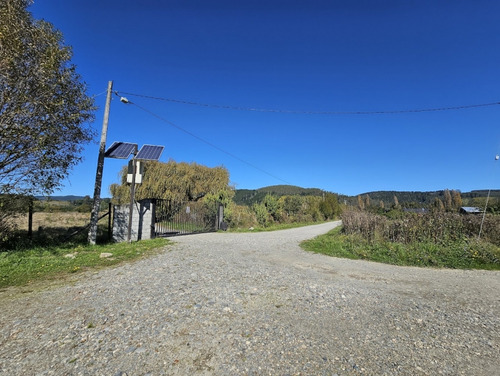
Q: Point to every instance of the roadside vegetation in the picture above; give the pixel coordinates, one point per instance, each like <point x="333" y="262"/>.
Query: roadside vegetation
<point x="399" y="233"/>
<point x="432" y="239"/>
<point x="280" y="211"/>
<point x="42" y="263"/>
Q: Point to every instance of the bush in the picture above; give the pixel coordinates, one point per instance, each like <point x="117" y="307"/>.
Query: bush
<point x="406" y="228"/>
<point x="238" y="216"/>
<point x="261" y="213"/>
<point x="11" y="206"/>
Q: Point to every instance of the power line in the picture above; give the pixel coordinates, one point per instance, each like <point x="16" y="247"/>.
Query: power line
<point x="203" y="140"/>
<point x="98" y="95"/>
<point x="237" y="108"/>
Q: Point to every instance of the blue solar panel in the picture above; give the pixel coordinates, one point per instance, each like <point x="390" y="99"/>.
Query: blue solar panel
<point x="150" y="152"/>
<point x="120" y="150"/>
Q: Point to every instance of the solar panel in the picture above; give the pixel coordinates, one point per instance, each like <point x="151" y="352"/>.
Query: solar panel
<point x="120" y="150"/>
<point x="150" y="152"/>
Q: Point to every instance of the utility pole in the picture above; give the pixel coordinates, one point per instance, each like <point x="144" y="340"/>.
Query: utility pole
<point x="132" y="197"/>
<point x="100" y="166"/>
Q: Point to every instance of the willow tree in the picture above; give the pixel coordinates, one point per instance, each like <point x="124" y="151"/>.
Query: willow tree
<point x="176" y="181"/>
<point x="44" y="108"/>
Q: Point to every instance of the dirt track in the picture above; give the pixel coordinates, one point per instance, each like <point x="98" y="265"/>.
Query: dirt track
<point x="237" y="304"/>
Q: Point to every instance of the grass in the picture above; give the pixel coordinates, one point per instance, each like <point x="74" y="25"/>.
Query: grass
<point x="56" y="219"/>
<point x="52" y="229"/>
<point x="470" y="254"/>
<point x="26" y="266"/>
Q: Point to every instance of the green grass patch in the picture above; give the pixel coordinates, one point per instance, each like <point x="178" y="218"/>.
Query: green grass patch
<point x="27" y="266"/>
<point x="470" y="254"/>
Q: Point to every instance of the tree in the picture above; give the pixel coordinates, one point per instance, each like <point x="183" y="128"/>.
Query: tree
<point x="456" y="200"/>
<point x="368" y="202"/>
<point x="85" y="205"/>
<point x="438" y="205"/>
<point x="44" y="108"/>
<point x="361" y="203"/>
<point x="261" y="214"/>
<point x="291" y="205"/>
<point x="448" y="205"/>
<point x="176" y="181"/>
<point x="10" y="207"/>
<point x="273" y="207"/>
<point x="329" y="206"/>
<point x="396" y="203"/>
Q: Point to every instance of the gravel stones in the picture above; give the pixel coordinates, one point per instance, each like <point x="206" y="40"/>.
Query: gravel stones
<point x="256" y="304"/>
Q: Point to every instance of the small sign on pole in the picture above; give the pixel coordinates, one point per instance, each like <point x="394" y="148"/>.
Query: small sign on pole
<point x="139" y="171"/>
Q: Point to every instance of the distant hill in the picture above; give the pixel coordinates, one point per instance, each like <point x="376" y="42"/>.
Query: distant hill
<point x="60" y="198"/>
<point x="417" y="197"/>
<point x="251" y="196"/>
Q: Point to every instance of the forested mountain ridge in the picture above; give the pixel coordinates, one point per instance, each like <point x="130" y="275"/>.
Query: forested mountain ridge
<point x="251" y="196"/>
<point x="424" y="198"/>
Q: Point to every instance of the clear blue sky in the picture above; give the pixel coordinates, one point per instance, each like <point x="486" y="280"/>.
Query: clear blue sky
<point x="303" y="56"/>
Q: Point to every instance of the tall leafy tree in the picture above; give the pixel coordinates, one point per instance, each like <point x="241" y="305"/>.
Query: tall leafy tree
<point x="456" y="199"/>
<point x="44" y="108"/>
<point x="330" y="206"/>
<point x="176" y="181"/>
<point x="368" y="201"/>
<point x="273" y="206"/>
<point x="396" y="203"/>
<point x="448" y="203"/>
<point x="438" y="205"/>
<point x="361" y="203"/>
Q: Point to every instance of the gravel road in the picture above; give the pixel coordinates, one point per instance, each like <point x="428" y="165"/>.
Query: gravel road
<point x="255" y="304"/>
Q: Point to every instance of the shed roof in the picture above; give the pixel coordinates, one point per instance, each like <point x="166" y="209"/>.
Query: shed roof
<point x="471" y="209"/>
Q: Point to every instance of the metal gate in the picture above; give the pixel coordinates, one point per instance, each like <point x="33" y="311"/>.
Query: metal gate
<point x="173" y="218"/>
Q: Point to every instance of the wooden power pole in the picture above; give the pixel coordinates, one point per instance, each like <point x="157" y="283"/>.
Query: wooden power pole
<point x="100" y="166"/>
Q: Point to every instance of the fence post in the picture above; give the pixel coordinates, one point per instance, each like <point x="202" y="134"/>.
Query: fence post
<point x="110" y="228"/>
<point x="153" y="218"/>
<point x="30" y="219"/>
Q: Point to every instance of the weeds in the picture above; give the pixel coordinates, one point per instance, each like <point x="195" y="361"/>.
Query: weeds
<point x="436" y="228"/>
<point x="433" y="240"/>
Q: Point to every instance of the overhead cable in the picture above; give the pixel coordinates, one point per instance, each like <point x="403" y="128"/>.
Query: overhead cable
<point x="237" y="108"/>
<point x="207" y="142"/>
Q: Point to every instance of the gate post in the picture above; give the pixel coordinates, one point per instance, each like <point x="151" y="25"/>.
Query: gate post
<point x="110" y="221"/>
<point x="153" y="218"/>
<point x="220" y="216"/>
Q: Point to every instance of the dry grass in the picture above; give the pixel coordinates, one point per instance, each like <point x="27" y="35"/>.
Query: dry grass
<point x="49" y="220"/>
